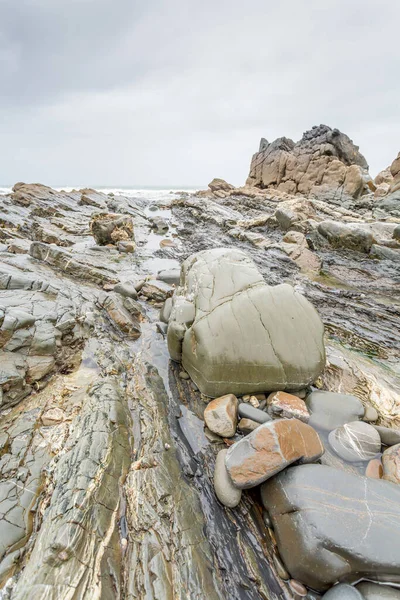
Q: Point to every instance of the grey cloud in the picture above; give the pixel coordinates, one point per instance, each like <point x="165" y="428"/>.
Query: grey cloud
<point x="175" y="92"/>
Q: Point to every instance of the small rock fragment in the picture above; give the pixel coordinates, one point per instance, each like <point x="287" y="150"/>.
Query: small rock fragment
<point x="247" y="425"/>
<point x="370" y="414"/>
<point x="247" y="411"/>
<point x="355" y="441"/>
<point x="52" y="416"/>
<point x="225" y="491"/>
<point x="184" y="375"/>
<point x="374" y="469"/>
<point x="254" y="402"/>
<point x="287" y="406"/>
<point x="221" y="415"/>
<point x="298" y="588"/>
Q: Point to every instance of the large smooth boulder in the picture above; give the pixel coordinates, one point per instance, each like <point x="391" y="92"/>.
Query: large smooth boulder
<point x="236" y="334"/>
<point x="269" y="449"/>
<point x="332" y="526"/>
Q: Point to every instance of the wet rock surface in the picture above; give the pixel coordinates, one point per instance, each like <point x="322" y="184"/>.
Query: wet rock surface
<point x="106" y="471"/>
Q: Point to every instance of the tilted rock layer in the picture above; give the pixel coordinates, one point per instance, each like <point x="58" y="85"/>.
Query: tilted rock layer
<point x="235" y="334"/>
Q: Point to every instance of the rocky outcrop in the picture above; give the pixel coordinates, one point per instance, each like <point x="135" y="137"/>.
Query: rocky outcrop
<point x="333" y="526"/>
<point x="325" y="163"/>
<point x="235" y="334"/>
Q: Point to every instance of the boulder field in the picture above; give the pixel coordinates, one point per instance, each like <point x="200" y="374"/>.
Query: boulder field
<point x="199" y="392"/>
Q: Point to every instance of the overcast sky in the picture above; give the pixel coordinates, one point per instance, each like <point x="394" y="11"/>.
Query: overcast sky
<point x="176" y="92"/>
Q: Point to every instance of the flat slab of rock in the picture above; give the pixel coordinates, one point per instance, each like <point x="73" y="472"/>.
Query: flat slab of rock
<point x="246" y="336"/>
<point x="269" y="449"/>
<point x="287" y="406"/>
<point x="355" y="441"/>
<point x="330" y="410"/>
<point x="221" y="415"/>
<point x="332" y="525"/>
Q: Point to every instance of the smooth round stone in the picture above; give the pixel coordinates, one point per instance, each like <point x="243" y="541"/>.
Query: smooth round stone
<point x="298" y="588"/>
<point x="370" y="414"/>
<point x="374" y="469"/>
<point x="343" y="591"/>
<point x="225" y="491"/>
<point x="355" y="441"/>
<point x="374" y="591"/>
<point x="246" y="411"/>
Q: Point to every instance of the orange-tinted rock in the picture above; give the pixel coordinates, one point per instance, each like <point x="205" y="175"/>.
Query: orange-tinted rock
<point x="374" y="469"/>
<point x="221" y="415"/>
<point x="288" y="406"/>
<point x="269" y="449"/>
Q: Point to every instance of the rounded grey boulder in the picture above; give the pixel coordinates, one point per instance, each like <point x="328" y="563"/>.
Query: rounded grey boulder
<point x="355" y="441"/>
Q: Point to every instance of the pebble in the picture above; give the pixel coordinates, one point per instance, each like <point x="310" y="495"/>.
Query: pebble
<point x="167" y="446"/>
<point x="254" y="402"/>
<point x="184" y="375"/>
<point x="285" y="405"/>
<point x="225" y="491"/>
<point x="343" y="591"/>
<point x="52" y="416"/>
<point x="374" y="469"/>
<point x="355" y="441"/>
<point x="124" y="542"/>
<point x="280" y="568"/>
<point x="370" y="414"/>
<point x="267" y="519"/>
<point x="249" y="412"/>
<point x="389" y="436"/>
<point x="221" y="415"/>
<point x="298" y="588"/>
<point x="247" y="425"/>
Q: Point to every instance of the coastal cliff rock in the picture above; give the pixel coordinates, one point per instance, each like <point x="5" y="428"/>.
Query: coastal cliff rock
<point x="324" y="163"/>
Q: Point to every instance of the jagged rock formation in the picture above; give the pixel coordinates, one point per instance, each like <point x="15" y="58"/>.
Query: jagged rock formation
<point x="324" y="163"/>
<point x="235" y="334"/>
